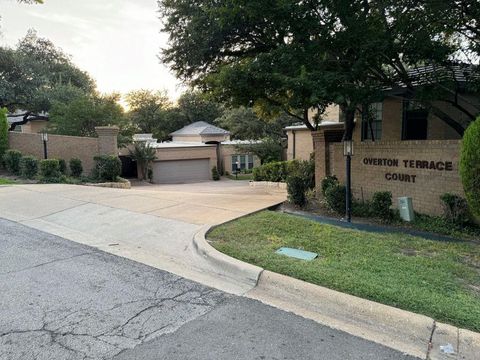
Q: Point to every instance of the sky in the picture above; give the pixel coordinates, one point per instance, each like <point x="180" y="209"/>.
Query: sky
<point x="116" y="41"/>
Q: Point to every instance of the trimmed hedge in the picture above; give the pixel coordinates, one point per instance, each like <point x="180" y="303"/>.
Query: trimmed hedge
<point x="50" y="170"/>
<point x="279" y="171"/>
<point x="107" y="167"/>
<point x="76" y="168"/>
<point x="470" y="165"/>
<point x="63" y="166"/>
<point x="29" y="167"/>
<point x="11" y="159"/>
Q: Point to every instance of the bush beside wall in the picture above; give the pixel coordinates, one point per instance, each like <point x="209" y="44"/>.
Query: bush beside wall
<point x="76" y="168"/>
<point x="29" y="167"/>
<point x="107" y="168"/>
<point x="11" y="160"/>
<point x="50" y="170"/>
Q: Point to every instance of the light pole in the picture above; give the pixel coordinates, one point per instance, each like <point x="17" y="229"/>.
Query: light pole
<point x="45" y="140"/>
<point x="237" y="165"/>
<point x="348" y="153"/>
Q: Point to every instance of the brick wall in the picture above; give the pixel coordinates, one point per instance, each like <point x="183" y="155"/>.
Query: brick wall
<point x="65" y="147"/>
<point x="374" y="166"/>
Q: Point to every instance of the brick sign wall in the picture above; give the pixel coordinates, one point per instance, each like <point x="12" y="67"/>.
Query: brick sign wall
<point x="423" y="170"/>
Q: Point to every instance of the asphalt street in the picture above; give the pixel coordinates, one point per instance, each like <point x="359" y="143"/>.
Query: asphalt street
<point x="64" y="300"/>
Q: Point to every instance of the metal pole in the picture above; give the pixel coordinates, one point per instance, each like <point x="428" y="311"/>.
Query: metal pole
<point x="348" y="189"/>
<point x="45" y="155"/>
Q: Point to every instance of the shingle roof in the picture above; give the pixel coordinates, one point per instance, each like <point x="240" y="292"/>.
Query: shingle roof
<point x="200" y="128"/>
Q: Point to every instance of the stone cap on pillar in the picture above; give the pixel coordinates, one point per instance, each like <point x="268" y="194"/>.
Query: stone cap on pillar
<point x="107" y="130"/>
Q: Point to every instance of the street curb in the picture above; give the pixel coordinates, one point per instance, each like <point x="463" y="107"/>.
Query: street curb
<point x="411" y="333"/>
<point x="225" y="265"/>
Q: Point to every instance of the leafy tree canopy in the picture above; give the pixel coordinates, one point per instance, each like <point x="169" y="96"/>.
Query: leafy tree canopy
<point x="289" y="56"/>
<point x="197" y="107"/>
<point x="80" y="115"/>
<point x="244" y="124"/>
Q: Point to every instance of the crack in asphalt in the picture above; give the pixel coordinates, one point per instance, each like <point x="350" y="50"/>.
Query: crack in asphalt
<point x="46" y="263"/>
<point x="117" y="335"/>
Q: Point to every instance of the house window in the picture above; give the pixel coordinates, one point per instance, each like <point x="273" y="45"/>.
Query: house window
<point x="415" y="121"/>
<point x="372" y="122"/>
<point x="245" y="162"/>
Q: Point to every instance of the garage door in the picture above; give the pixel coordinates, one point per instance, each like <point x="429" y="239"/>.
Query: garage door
<point x="179" y="171"/>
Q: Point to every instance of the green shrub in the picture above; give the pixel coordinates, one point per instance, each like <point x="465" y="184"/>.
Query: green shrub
<point x="29" y="167"/>
<point x="50" y="170"/>
<point x="11" y="159"/>
<point x="455" y="208"/>
<point x="215" y="174"/>
<point x="3" y="133"/>
<point x="258" y="174"/>
<point x="330" y="180"/>
<point x="296" y="188"/>
<point x="470" y="165"/>
<point x="76" y="167"/>
<point x="107" y="167"/>
<point x="361" y="208"/>
<point x="279" y="171"/>
<point x="63" y="166"/>
<point x="335" y="197"/>
<point x="381" y="204"/>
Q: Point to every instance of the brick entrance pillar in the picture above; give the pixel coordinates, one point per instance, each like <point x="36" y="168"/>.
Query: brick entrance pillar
<point x="107" y="140"/>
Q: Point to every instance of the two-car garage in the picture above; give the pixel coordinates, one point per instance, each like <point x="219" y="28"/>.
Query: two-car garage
<point x="181" y="171"/>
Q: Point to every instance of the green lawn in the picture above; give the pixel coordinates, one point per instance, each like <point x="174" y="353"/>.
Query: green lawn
<point x="6" y="181"/>
<point x="438" y="279"/>
<point x="241" y="177"/>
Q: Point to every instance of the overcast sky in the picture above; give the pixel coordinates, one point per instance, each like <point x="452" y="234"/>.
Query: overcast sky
<point x="116" y="41"/>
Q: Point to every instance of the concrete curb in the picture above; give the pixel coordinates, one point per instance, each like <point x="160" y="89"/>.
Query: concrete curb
<point x="225" y="265"/>
<point x="413" y="334"/>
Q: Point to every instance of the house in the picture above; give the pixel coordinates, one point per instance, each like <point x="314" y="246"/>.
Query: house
<point x="194" y="151"/>
<point x="300" y="141"/>
<point x="27" y="124"/>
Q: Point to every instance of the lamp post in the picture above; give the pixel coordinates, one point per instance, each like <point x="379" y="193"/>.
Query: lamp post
<point x="237" y="165"/>
<point x="348" y="153"/>
<point x="45" y="140"/>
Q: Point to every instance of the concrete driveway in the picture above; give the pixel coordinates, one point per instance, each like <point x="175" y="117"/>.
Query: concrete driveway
<point x="152" y="224"/>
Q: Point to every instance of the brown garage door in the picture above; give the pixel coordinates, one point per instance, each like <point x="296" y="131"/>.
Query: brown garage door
<point x="181" y="171"/>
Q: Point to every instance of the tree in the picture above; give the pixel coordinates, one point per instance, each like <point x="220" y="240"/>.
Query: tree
<point x="470" y="166"/>
<point x="146" y="108"/>
<point x="35" y="74"/>
<point x="197" y="107"/>
<point x="268" y="149"/>
<point x="80" y="116"/>
<point x="244" y="124"/>
<point x="291" y="55"/>
<point x="143" y="154"/>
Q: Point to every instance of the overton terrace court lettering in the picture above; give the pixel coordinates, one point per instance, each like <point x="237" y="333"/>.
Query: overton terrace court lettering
<point x="409" y="164"/>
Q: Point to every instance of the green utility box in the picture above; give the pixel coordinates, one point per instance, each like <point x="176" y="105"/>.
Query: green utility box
<point x="405" y="206"/>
